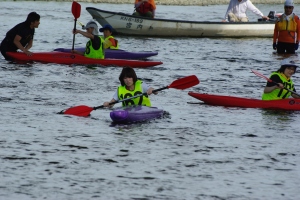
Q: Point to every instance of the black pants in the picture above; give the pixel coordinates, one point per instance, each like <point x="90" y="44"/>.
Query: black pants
<point x="4" y="48"/>
<point x="283" y="47"/>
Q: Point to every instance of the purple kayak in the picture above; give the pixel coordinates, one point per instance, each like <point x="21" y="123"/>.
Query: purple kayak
<point x="118" y="54"/>
<point x="133" y="114"/>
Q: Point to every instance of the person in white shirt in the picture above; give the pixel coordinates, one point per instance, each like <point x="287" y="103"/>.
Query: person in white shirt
<point x="236" y="11"/>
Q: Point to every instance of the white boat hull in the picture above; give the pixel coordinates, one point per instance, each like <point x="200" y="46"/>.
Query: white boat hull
<point x="125" y="24"/>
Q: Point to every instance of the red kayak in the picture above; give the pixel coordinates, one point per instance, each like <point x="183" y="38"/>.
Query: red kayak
<point x="69" y="58"/>
<point x="229" y="101"/>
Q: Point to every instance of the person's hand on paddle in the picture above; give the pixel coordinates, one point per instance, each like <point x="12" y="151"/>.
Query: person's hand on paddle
<point x="150" y="91"/>
<point x="109" y="104"/>
<point x="265" y="17"/>
<point x="279" y="86"/>
<point x="75" y="31"/>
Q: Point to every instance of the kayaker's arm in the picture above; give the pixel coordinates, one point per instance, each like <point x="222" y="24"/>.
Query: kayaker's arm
<point x="18" y="44"/>
<point x="86" y="34"/>
<point x="271" y="88"/>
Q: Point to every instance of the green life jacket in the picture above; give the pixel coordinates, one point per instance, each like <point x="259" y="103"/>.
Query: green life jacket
<point x="90" y="52"/>
<point x="123" y="93"/>
<point x="280" y="93"/>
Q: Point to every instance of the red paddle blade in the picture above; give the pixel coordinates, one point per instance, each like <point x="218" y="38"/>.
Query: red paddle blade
<point x="186" y="82"/>
<point x="260" y="75"/>
<point x="82" y="111"/>
<point x="76" y="8"/>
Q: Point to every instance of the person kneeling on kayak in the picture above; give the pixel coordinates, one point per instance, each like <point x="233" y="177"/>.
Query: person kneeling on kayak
<point x="20" y="36"/>
<point x="281" y="79"/>
<point x="95" y="46"/>
<point x="109" y="41"/>
<point x="131" y="86"/>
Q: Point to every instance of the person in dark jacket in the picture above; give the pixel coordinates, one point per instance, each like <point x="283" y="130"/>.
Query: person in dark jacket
<point x="20" y="36"/>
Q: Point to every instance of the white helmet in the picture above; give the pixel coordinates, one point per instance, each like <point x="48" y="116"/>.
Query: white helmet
<point x="92" y="24"/>
<point x="289" y="3"/>
<point x="289" y="62"/>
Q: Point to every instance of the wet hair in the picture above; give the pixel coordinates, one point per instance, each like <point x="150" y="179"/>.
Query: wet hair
<point x="129" y="73"/>
<point x="32" y="17"/>
<point x="283" y="67"/>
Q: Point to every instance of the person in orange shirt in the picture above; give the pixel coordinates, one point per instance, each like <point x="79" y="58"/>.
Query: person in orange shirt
<point x="287" y="30"/>
<point x="145" y="8"/>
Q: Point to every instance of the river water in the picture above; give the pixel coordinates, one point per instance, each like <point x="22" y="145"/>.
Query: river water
<point x="195" y="152"/>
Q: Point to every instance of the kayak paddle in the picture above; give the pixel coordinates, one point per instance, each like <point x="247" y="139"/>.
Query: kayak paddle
<point x="182" y="83"/>
<point x="76" y="8"/>
<point x="269" y="80"/>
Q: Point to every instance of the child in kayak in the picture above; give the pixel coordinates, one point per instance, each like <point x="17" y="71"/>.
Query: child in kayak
<point x="281" y="79"/>
<point x="94" y="47"/>
<point x="20" y="36"/>
<point x="109" y="41"/>
<point x="131" y="86"/>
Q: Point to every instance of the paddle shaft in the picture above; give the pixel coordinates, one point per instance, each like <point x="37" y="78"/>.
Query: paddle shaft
<point x="133" y="97"/>
<point x="74" y="35"/>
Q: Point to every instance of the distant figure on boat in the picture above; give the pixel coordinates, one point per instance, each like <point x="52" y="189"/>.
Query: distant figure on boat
<point x="144" y="8"/>
<point x="281" y="79"/>
<point x="109" y="41"/>
<point x="95" y="46"/>
<point x="287" y="30"/>
<point x="236" y="11"/>
<point x="131" y="86"/>
<point x="20" y="36"/>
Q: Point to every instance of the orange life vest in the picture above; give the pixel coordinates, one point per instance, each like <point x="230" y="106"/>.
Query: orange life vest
<point x="144" y="8"/>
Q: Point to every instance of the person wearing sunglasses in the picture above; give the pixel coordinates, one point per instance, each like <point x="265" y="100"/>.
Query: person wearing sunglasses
<point x="286" y="35"/>
<point x="281" y="79"/>
<point x="236" y="11"/>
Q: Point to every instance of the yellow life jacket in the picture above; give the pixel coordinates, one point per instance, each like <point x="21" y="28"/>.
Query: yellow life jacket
<point x="90" y="52"/>
<point x="280" y="93"/>
<point x="287" y="25"/>
<point x="117" y="43"/>
<point x="123" y="93"/>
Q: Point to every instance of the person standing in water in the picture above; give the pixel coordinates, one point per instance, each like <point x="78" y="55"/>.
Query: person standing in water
<point x="20" y="36"/>
<point x="286" y="35"/>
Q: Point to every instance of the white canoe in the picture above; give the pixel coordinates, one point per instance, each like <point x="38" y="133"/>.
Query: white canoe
<point x="125" y="24"/>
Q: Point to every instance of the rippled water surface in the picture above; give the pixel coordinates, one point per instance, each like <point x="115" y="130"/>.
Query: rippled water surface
<point x="196" y="152"/>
